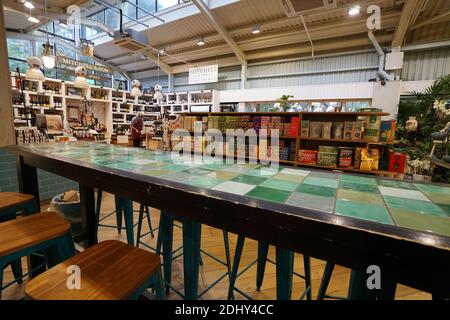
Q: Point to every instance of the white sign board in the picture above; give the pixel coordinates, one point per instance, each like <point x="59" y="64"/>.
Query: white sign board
<point x="204" y="74"/>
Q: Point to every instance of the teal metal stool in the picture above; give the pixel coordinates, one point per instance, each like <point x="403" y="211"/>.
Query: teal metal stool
<point x="124" y="208"/>
<point x="284" y="271"/>
<point x="191" y="255"/>
<point x="38" y="232"/>
<point x="358" y="287"/>
<point x="10" y="204"/>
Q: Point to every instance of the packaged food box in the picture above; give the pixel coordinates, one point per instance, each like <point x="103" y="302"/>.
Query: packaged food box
<point x="305" y="129"/>
<point x="358" y="130"/>
<point x="372" y="128"/>
<point x="337" y="130"/>
<point x="295" y="122"/>
<point x="366" y="160"/>
<point x="345" y="157"/>
<point x="348" y="130"/>
<point x="307" y="156"/>
<point x="397" y="161"/>
<point x="387" y="130"/>
<point x="326" y="130"/>
<point x="330" y="149"/>
<point x="327" y="159"/>
<point x="315" y="129"/>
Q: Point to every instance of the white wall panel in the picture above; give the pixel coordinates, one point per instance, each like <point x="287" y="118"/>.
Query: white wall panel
<point x="426" y="64"/>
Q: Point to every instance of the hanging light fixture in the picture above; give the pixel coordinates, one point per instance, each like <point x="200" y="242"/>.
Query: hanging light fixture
<point x="48" y="58"/>
<point x="136" y="84"/>
<point x="80" y="80"/>
<point x="158" y="88"/>
<point x="256" y="29"/>
<point x="34" y="71"/>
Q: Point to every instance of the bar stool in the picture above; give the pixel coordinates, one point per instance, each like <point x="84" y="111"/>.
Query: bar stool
<point x="191" y="254"/>
<point x="10" y="204"/>
<point x="284" y="271"/>
<point x="357" y="287"/>
<point x="124" y="208"/>
<point x="39" y="232"/>
<point x="110" y="270"/>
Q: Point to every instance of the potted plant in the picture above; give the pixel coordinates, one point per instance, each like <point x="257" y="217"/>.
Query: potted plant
<point x="284" y="102"/>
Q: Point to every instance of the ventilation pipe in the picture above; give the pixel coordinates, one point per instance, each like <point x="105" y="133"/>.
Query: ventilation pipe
<point x="382" y="57"/>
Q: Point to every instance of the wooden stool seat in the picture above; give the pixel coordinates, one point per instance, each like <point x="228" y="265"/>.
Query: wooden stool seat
<point x="13" y="199"/>
<point x="110" y="270"/>
<point x="18" y="234"/>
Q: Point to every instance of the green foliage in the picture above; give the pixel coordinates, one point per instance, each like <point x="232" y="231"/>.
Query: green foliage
<point x="284" y="102"/>
<point x="420" y="105"/>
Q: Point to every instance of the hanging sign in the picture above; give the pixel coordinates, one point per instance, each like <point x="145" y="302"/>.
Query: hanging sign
<point x="204" y="74"/>
<point x="75" y="63"/>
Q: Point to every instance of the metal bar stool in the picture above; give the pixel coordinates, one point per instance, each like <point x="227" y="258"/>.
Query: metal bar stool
<point x="10" y="204"/>
<point x="284" y="271"/>
<point x="38" y="232"/>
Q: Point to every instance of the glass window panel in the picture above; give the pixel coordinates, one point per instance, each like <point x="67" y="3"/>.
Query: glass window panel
<point x="111" y="18"/>
<point x="47" y="28"/>
<point x="129" y="11"/>
<point x="13" y="64"/>
<point x="163" y="4"/>
<point x="147" y="5"/>
<point x="19" y="48"/>
<point x="100" y="16"/>
<point x="63" y="51"/>
<point x="64" y="32"/>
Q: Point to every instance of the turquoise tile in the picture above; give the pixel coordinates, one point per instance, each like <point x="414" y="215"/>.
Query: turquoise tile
<point x="249" y="180"/>
<point x="198" y="172"/>
<point x="396" y="184"/>
<point x="214" y="166"/>
<point x="203" y="182"/>
<point x="328" y="175"/>
<point x="262" y="172"/>
<point x="358" y="179"/>
<point x="414" y="206"/>
<point x="359" y="187"/>
<point x="325" y="182"/>
<point x="317" y="190"/>
<point x="175" y="167"/>
<point x="363" y="211"/>
<point x="269" y="194"/>
<point x="311" y="201"/>
<point x="280" y="184"/>
<point x="432" y="188"/>
<point x="445" y="208"/>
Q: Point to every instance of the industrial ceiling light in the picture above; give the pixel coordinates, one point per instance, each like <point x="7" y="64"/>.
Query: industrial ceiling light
<point x="136" y="85"/>
<point x="48" y="58"/>
<point x="355" y="10"/>
<point x="158" y="96"/>
<point x="33" y="19"/>
<point x="256" y="29"/>
<point x="201" y="42"/>
<point x="29" y="5"/>
<point x="34" y="71"/>
<point x="80" y="80"/>
<point x="162" y="50"/>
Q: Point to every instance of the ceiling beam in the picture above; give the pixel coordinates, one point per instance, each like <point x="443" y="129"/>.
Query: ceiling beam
<point x="426" y="21"/>
<point x="215" y="21"/>
<point x="410" y="13"/>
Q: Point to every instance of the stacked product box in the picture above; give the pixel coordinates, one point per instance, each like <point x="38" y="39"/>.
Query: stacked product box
<point x="327" y="156"/>
<point x="307" y="156"/>
<point x="345" y="157"/>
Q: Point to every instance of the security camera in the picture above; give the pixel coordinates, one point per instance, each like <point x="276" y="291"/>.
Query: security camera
<point x="383" y="83"/>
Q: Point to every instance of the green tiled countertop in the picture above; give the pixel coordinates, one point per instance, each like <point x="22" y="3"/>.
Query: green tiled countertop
<point x="421" y="207"/>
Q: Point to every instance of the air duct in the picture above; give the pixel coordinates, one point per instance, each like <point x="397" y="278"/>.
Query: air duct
<point x="382" y="57"/>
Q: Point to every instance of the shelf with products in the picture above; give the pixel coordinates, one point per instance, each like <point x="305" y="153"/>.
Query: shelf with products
<point x="301" y="144"/>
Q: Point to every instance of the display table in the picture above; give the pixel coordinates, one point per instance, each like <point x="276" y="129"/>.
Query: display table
<point x="355" y="221"/>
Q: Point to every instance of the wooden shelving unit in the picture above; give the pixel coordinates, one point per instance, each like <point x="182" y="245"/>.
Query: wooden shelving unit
<point x="300" y="141"/>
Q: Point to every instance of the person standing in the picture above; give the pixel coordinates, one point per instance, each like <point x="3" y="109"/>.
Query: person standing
<point x="137" y="125"/>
